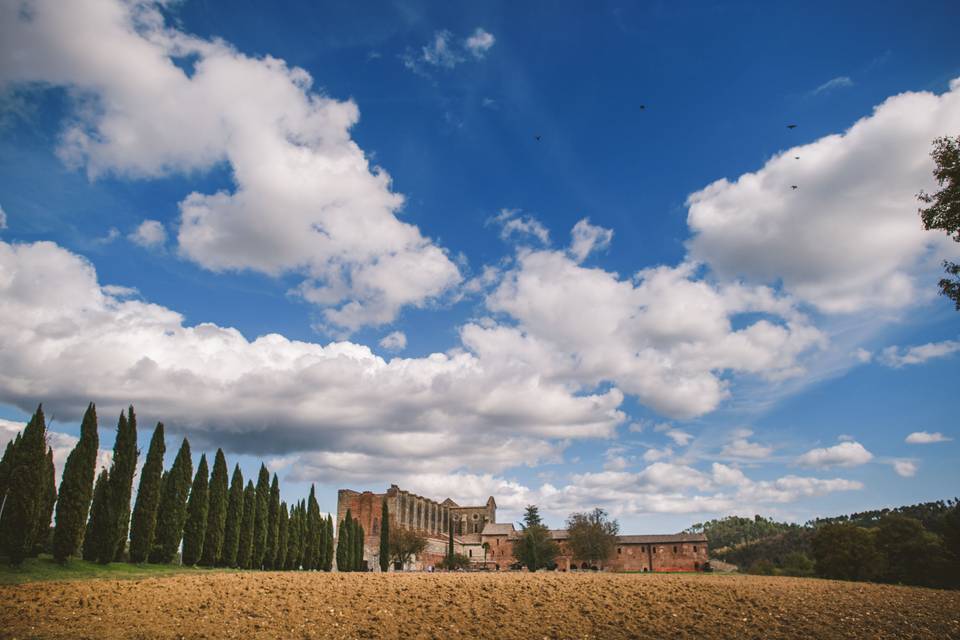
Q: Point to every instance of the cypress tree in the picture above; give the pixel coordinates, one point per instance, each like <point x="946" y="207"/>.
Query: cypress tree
<point x="156" y="551"/>
<point x="260" y="521"/>
<point x="5" y="463"/>
<point x="344" y="544"/>
<point x="358" y="542"/>
<point x="245" y="549"/>
<point x="450" y="543"/>
<point x="273" y="525"/>
<point x="76" y="489"/>
<point x="173" y="505"/>
<point x="26" y="485"/>
<point x="302" y="543"/>
<point x="283" y="535"/>
<point x="143" y="527"/>
<point x="197" y="507"/>
<point x="312" y="530"/>
<point x="231" y="527"/>
<point x="98" y="517"/>
<point x="121" y="486"/>
<point x="216" y="512"/>
<point x="328" y="545"/>
<point x="294" y="539"/>
<point x="42" y="538"/>
<point x="385" y="537"/>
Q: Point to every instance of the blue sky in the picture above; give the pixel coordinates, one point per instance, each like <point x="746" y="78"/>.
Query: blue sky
<point x="635" y="310"/>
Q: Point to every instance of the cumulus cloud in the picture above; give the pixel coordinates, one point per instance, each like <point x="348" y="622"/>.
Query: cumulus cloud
<point x="905" y="468"/>
<point x="150" y="234"/>
<point x="394" y="341"/>
<point x="833" y="83"/>
<point x="305" y="198"/>
<point x="512" y="223"/>
<point x="845" y="240"/>
<point x="587" y="238"/>
<point x="3" y="219"/>
<point x="845" y="454"/>
<point x="663" y="336"/>
<point x="897" y="357"/>
<point x="480" y="42"/>
<point x="742" y="447"/>
<point x="273" y="395"/>
<point x="924" y="437"/>
<point x="680" y="438"/>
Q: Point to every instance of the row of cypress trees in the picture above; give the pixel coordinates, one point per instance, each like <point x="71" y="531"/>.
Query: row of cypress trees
<point x="218" y="523"/>
<point x="350" y="545"/>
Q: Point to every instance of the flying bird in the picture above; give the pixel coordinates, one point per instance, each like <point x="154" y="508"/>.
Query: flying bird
<point x="796" y="157"/>
<point x="791" y="126"/>
<point x="537" y="137"/>
<point x="642" y="107"/>
<point x="793" y="186"/>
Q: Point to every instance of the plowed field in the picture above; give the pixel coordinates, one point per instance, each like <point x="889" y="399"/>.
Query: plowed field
<point x="317" y="605"/>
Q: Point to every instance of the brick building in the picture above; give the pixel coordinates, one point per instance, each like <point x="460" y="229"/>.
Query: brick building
<point x="489" y="544"/>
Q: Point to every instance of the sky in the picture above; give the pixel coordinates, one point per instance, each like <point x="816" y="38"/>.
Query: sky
<point x="549" y="253"/>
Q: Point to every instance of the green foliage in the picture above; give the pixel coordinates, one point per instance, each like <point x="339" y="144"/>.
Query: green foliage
<point x="328" y="545"/>
<point x="25" y="499"/>
<point x="245" y="547"/>
<point x="76" y="489"/>
<point x="173" y="506"/>
<point x="405" y="544"/>
<point x="912" y="555"/>
<point x="5" y="464"/>
<point x="293" y="539"/>
<point x="454" y="561"/>
<point x="384" y="537"/>
<point x="122" y="470"/>
<point x="592" y="536"/>
<point x="846" y="552"/>
<point x="99" y="517"/>
<point x="260" y="518"/>
<point x="48" y="497"/>
<point x="534" y="548"/>
<point x="143" y="525"/>
<point x="273" y="525"/>
<point x="357" y="538"/>
<point x="734" y="530"/>
<point x="797" y="565"/>
<point x="231" y="527"/>
<point x="344" y="544"/>
<point x="283" y="536"/>
<point x="216" y="512"/>
<point x="943" y="212"/>
<point x="531" y="516"/>
<point x="762" y="567"/>
<point x="312" y="535"/>
<point x="45" y="568"/>
<point x="198" y="506"/>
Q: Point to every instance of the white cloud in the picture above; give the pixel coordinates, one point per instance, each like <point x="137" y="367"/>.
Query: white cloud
<point x="587" y="238"/>
<point x="680" y="438"/>
<point x="845" y="454"/>
<point x="305" y="198"/>
<point x="848" y="238"/>
<point x="833" y="83"/>
<point x="924" y="437"/>
<point x="512" y="223"/>
<point x="150" y="234"/>
<point x="439" y="53"/>
<point x="480" y="42"/>
<point x="653" y="454"/>
<point x="3" y="219"/>
<point x="897" y="357"/>
<point x="744" y="448"/>
<point x="394" y="341"/>
<point x="663" y="336"/>
<point x="863" y="355"/>
<point x="340" y="402"/>
<point x="905" y="468"/>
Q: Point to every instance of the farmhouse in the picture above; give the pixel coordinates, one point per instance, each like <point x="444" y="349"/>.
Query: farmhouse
<point x="489" y="544"/>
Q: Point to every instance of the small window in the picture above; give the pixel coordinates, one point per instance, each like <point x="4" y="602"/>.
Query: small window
<point x="674" y="548"/>
<point x="619" y="550"/>
<point x="470" y="551"/>
<point x="694" y="548"/>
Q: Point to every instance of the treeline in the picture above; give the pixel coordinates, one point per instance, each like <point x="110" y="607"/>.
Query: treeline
<point x="197" y="517"/>
<point x="916" y="544"/>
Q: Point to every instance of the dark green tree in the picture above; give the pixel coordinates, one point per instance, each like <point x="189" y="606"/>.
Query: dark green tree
<point x="943" y="212"/>
<point x="143" y="524"/>
<point x="173" y="506"/>
<point x="43" y="537"/>
<point x="283" y="538"/>
<point x="911" y="554"/>
<point x="846" y="552"/>
<point x="405" y="544"/>
<point x="357" y="537"/>
<point x="313" y="535"/>
<point x="231" y="527"/>
<point x="245" y="547"/>
<point x="450" y="551"/>
<point x="592" y="536"/>
<point x="273" y="525"/>
<point x="261" y="516"/>
<point x="328" y="545"/>
<point x="534" y="547"/>
<point x="76" y="489"/>
<point x="122" y="470"/>
<point x="295" y="545"/>
<point x="344" y="544"/>
<point x="195" y="528"/>
<point x="26" y="485"/>
<point x="99" y="517"/>
<point x="216" y="512"/>
<point x="5" y="463"/>
<point x="384" y="537"/>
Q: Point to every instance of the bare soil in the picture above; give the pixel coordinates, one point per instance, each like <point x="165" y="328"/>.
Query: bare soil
<point x="318" y="605"/>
